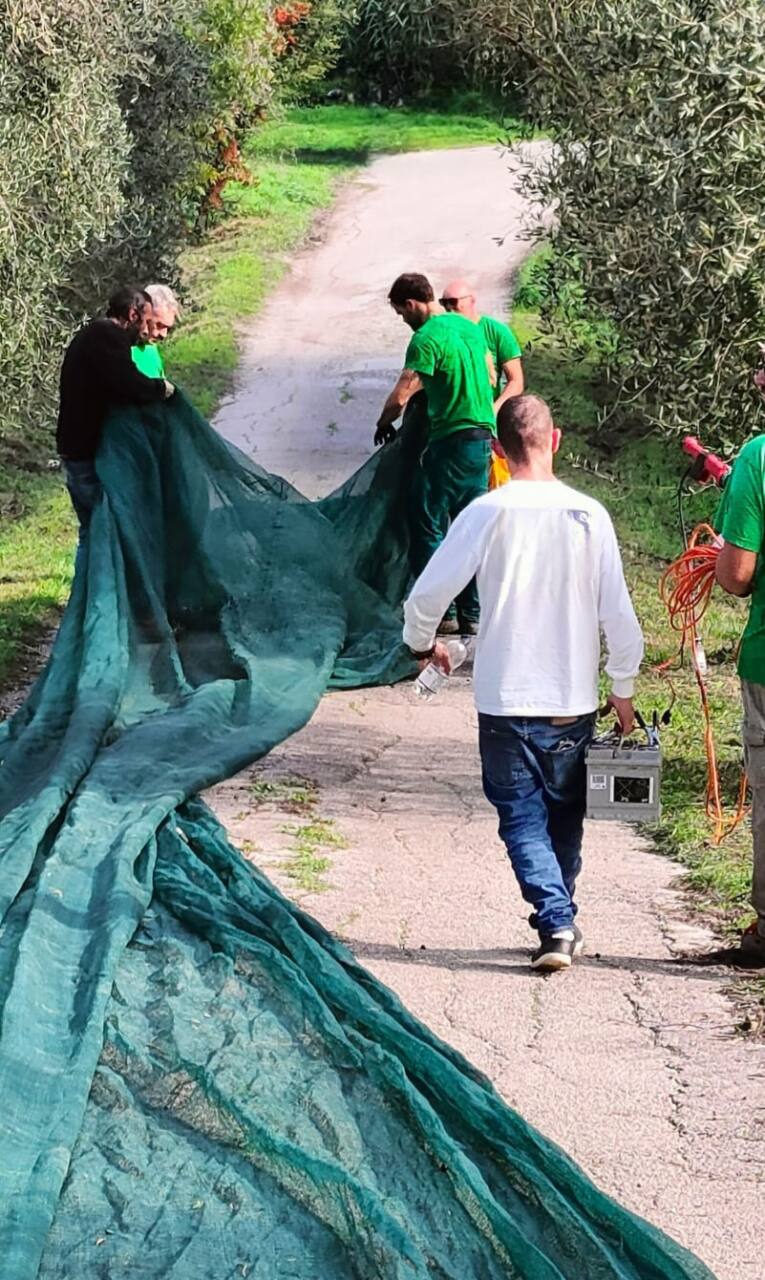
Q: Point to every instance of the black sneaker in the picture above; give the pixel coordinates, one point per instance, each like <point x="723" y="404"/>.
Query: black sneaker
<point x="555" y="951"/>
<point x="448" y="627"/>
<point x="578" y="935"/>
<point x="468" y="626"/>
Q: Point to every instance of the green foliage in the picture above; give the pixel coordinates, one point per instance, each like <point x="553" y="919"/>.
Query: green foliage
<point x="426" y="50"/>
<point x="309" y="857"/>
<point x="534" y="289"/>
<point x="656" y="108"/>
<point x="120" y="126"/>
<point x="63" y="150"/>
<point x="293" y="795"/>
<point x="400" y="48"/>
<point x="308" y="43"/>
<point x="206" y="82"/>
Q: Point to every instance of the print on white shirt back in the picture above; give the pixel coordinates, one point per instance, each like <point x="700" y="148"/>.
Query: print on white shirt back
<point x="550" y="579"/>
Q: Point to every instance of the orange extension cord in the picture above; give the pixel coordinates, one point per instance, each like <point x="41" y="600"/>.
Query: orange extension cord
<point x="686" y="588"/>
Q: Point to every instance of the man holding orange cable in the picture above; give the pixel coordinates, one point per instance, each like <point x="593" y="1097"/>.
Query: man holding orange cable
<point x="739" y="571"/>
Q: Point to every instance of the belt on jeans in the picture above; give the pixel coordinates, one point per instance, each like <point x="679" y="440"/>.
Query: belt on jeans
<point x="473" y="433"/>
<point x="557" y="721"/>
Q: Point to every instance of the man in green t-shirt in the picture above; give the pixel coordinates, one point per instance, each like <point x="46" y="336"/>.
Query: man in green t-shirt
<point x="143" y="352"/>
<point x="160" y="315"/>
<point x="147" y="358"/>
<point x="504" y="347"/>
<point x="740" y="571"/>
<point x="447" y="359"/>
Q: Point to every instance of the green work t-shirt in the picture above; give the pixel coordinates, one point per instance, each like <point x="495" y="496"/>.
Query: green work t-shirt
<point x="502" y="345"/>
<point x="741" y="521"/>
<point x="148" y="360"/>
<point x="449" y="353"/>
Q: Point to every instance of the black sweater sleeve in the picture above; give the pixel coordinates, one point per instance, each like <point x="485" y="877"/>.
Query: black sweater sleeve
<point x="116" y="373"/>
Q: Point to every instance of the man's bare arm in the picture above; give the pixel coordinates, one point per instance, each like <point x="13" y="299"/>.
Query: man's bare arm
<point x="513" y="371"/>
<point x="409" y="383"/>
<point x="735" y="569"/>
<point x="492" y="368"/>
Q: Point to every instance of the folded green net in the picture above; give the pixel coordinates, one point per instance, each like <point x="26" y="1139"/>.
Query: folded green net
<point x="197" y="1080"/>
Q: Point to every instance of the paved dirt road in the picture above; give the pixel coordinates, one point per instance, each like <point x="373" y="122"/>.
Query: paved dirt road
<point x="320" y="359"/>
<point x="629" y="1061"/>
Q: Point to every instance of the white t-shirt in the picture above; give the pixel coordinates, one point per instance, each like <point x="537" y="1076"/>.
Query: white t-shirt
<point x="550" y="578"/>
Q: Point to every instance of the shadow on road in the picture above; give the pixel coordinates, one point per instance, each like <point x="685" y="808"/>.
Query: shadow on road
<point x="516" y="960"/>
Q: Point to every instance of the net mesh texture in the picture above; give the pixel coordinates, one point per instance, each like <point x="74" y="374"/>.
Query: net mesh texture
<point x="199" y="1082"/>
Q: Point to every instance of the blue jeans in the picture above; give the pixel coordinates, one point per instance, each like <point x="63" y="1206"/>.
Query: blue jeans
<point x="85" y="490"/>
<point x="534" y="775"/>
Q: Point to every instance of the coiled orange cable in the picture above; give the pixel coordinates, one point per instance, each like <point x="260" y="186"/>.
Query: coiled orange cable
<point x="686" y="588"/>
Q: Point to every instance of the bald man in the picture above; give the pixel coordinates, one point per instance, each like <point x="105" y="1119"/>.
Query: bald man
<point x="550" y="581"/>
<point x="459" y="298"/>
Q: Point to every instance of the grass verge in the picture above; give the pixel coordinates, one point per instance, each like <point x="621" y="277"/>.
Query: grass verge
<point x="356" y="133"/>
<point x="297" y="165"/>
<point x="36" y="556"/>
<point x="636" y="479"/>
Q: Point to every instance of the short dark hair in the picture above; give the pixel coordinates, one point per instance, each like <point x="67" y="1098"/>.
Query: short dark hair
<point x="524" y="426"/>
<point x="124" y="300"/>
<point x="411" y="285"/>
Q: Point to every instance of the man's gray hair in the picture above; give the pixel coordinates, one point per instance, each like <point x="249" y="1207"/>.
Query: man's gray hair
<point x="162" y="296"/>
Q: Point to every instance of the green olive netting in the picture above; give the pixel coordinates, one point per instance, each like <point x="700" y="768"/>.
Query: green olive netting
<point x="199" y="1082"/>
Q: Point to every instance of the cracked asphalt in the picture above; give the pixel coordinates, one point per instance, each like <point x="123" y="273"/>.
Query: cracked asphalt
<point x="631" y="1060"/>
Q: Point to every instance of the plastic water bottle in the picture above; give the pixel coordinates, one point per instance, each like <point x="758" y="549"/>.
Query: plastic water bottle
<point x="432" y="679"/>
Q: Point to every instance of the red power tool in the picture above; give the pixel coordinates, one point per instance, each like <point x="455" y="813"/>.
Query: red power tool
<point x="706" y="466"/>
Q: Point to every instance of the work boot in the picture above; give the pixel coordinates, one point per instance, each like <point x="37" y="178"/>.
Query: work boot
<point x="753" y="943"/>
<point x="448" y="627"/>
<point x="468" y="626"/>
<point x="749" y="954"/>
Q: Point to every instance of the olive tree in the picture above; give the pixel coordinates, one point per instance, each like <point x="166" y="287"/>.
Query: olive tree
<point x="63" y="151"/>
<point x="656" y="177"/>
<point x="120" y="124"/>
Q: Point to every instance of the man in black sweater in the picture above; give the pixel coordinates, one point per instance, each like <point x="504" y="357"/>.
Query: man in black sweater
<point x="98" y="372"/>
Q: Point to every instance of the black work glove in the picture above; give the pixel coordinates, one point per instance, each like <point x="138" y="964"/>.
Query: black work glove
<point x="385" y="434"/>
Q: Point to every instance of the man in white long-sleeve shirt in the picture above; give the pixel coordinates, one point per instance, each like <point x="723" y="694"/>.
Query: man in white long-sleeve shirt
<point x="550" y="579"/>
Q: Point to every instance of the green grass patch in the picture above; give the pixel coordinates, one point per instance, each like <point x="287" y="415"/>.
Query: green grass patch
<point x="356" y="133"/>
<point x="293" y="795"/>
<point x="229" y="276"/>
<point x="309" y="860"/>
<point x="635" y="475"/>
<point x="36" y="557"/>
